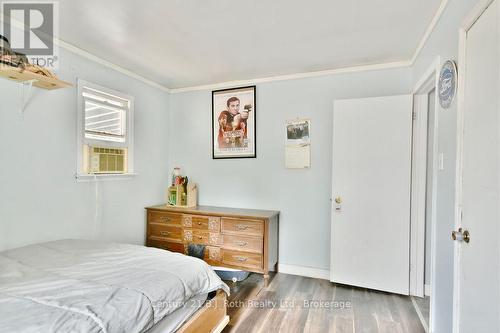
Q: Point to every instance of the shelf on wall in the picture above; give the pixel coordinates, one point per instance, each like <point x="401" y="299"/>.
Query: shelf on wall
<point x="38" y="80"/>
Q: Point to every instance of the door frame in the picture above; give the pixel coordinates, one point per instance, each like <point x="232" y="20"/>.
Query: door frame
<point x="467" y="24"/>
<point x="421" y="91"/>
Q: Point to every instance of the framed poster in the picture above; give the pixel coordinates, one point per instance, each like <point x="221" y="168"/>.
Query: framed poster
<point x="233" y="123"/>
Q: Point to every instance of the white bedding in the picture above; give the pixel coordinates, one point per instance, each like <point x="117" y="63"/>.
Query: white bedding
<point x="88" y="286"/>
<point x="174" y="321"/>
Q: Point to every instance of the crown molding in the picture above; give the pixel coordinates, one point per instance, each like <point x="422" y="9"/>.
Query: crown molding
<point x="76" y="50"/>
<point x="430" y="28"/>
<point x="352" y="69"/>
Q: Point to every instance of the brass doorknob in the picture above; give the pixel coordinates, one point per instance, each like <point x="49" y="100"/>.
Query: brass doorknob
<point x="461" y="235"/>
<point x="338" y="200"/>
<point x="466" y="236"/>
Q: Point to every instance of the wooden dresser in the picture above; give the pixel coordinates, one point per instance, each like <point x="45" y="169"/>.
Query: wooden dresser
<point x="245" y="239"/>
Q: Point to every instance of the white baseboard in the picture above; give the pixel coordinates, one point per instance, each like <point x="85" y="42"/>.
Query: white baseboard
<point x="427" y="290"/>
<point x="304" y="271"/>
<point x="420" y="316"/>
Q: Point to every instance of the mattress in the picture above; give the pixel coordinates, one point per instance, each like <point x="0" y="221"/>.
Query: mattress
<point x="90" y="286"/>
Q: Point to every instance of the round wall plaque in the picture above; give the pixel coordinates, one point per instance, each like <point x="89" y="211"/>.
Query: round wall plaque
<point x="447" y="83"/>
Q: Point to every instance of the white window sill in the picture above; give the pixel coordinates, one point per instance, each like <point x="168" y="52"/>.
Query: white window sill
<point x="85" y="177"/>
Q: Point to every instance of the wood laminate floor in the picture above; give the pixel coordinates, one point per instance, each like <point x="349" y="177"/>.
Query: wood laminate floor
<point x="299" y="304"/>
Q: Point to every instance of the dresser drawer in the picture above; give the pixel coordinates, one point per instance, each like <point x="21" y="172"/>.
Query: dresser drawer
<point x="242" y="243"/>
<point x="170" y="246"/>
<point x="201" y="222"/>
<point x="212" y="255"/>
<point x="201" y="237"/>
<point x="164" y="217"/>
<point x="165" y="231"/>
<point x="242" y="259"/>
<point x="244" y="227"/>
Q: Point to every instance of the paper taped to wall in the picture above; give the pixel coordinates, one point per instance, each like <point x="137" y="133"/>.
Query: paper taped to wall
<point x="298" y="144"/>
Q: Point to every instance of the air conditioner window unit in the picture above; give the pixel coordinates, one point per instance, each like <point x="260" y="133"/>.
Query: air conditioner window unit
<point x="107" y="160"/>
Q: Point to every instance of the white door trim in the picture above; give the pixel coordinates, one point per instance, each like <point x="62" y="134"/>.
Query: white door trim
<point x="418" y="193"/>
<point x="421" y="91"/>
<point x="467" y="24"/>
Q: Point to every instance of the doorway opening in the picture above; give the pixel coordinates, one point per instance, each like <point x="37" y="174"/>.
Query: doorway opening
<point x="423" y="194"/>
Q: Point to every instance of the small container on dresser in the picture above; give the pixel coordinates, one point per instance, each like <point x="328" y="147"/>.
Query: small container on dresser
<point x="245" y="239"/>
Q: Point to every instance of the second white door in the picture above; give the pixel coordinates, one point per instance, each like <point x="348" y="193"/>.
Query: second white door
<point x="477" y="284"/>
<point x="371" y="193"/>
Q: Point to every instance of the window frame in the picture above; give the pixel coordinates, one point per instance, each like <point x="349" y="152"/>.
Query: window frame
<point x="81" y="174"/>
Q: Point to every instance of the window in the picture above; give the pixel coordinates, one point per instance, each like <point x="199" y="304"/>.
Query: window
<point x="105" y="115"/>
<point x="105" y="131"/>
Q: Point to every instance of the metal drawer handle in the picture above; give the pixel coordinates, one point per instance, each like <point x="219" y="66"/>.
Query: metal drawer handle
<point x="200" y="237"/>
<point x="241" y="243"/>
<point x="199" y="223"/>
<point x="241" y="226"/>
<point x="164" y="233"/>
<point x="241" y="259"/>
<point x="166" y="219"/>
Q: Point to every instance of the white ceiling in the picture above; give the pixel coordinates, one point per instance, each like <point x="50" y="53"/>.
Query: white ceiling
<point x="181" y="43"/>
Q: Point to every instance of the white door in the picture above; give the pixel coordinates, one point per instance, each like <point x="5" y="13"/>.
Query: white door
<point x="371" y="193"/>
<point x="477" y="282"/>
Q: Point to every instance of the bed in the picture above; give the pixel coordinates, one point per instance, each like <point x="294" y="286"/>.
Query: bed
<point x="91" y="286"/>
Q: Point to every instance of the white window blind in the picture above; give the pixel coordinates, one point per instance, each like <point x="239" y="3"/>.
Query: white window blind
<point x="105" y="115"/>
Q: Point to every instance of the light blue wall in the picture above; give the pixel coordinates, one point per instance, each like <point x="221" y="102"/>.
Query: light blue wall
<point x="39" y="197"/>
<point x="443" y="42"/>
<point x="302" y="196"/>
